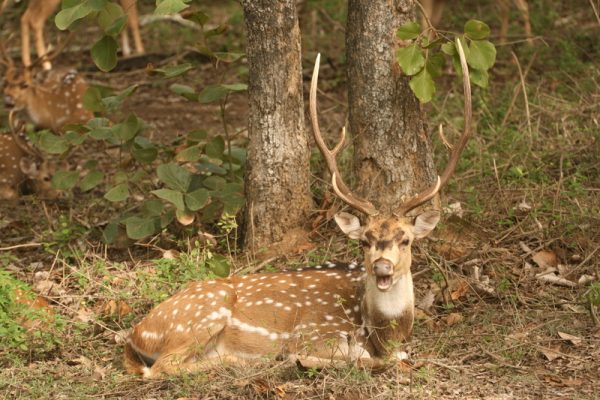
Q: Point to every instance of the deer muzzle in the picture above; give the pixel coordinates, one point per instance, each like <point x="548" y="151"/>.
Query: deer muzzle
<point x="383" y="269"/>
<point x="9" y="102"/>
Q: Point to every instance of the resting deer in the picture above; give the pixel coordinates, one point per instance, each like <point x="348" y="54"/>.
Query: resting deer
<point x="433" y="10"/>
<point x="317" y="315"/>
<point x="38" y="11"/>
<point x="23" y="169"/>
<point x="52" y="102"/>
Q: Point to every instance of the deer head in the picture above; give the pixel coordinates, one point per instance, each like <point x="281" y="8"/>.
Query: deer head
<point x="387" y="239"/>
<point x="23" y="169"/>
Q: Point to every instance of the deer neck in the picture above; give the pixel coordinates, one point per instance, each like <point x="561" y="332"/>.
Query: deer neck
<point x="385" y="306"/>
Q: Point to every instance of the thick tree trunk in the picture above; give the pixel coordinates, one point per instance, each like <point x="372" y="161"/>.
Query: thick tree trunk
<point x="393" y="156"/>
<point x="277" y="177"/>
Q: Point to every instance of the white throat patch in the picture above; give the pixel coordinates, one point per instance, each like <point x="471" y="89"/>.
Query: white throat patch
<point x="393" y="302"/>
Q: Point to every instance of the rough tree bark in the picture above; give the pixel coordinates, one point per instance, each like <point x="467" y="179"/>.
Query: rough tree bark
<point x="277" y="176"/>
<point x="392" y="152"/>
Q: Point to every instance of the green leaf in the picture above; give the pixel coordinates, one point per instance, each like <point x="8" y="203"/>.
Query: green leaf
<point x="165" y="7"/>
<point x="423" y="86"/>
<point x="118" y="193"/>
<point x="128" y="129"/>
<point x="449" y="48"/>
<point x="172" y="196"/>
<point x="174" y="176"/>
<point x="197" y="136"/>
<point x="113" y="103"/>
<point x="191" y="154"/>
<point x="110" y="232"/>
<point x="101" y="133"/>
<point x="91" y="180"/>
<point x="227" y="57"/>
<point x="435" y="64"/>
<point x="174" y="70"/>
<point x="73" y="138"/>
<point x="92" y="100"/>
<point x="233" y="204"/>
<point x="52" y="144"/>
<point x="238" y="155"/>
<point x="104" y="53"/>
<point x="109" y="16"/>
<point x="186" y="91"/>
<point x="409" y="30"/>
<point x="210" y="168"/>
<point x="410" y="59"/>
<point x="67" y="16"/>
<point x="143" y="150"/>
<point x="212" y="93"/>
<point x="139" y="227"/>
<point x="64" y="180"/>
<point x="476" y="30"/>
<point x="479" y="77"/>
<point x="153" y="207"/>
<point x="215" y="148"/>
<point x="219" y="265"/>
<point x="481" y="55"/>
<point x="236" y="87"/>
<point x="198" y="17"/>
<point x="214" y="183"/>
<point x="197" y="199"/>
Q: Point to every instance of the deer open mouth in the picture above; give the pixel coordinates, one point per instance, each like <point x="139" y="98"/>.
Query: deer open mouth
<point x="384" y="282"/>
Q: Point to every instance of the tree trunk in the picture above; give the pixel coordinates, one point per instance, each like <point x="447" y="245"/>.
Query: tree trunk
<point x="392" y="151"/>
<point x="277" y="177"/>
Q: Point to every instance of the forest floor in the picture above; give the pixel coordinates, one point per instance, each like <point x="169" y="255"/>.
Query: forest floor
<point x="507" y="288"/>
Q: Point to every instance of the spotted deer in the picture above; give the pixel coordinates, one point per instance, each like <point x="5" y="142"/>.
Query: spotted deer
<point x="38" y="11"/>
<point x="23" y="169"/>
<point x="52" y="99"/>
<point x="316" y="315"/>
<point x="433" y="9"/>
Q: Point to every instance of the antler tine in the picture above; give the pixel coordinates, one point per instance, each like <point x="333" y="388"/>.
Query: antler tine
<point x="455" y="150"/>
<point x="19" y="138"/>
<point x="339" y="187"/>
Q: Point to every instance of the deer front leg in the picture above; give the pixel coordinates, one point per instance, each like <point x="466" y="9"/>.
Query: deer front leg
<point x="25" y="41"/>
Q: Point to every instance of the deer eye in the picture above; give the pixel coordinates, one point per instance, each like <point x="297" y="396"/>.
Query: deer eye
<point x="364" y="243"/>
<point x="405" y="242"/>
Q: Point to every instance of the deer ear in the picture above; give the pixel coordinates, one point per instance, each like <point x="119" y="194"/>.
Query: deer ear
<point x="28" y="167"/>
<point x="424" y="223"/>
<point x="349" y="224"/>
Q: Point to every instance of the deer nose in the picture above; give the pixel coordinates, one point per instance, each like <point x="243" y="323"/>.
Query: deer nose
<point x="383" y="267"/>
<point x="9" y="102"/>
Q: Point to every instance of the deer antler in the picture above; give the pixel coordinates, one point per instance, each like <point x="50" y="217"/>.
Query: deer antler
<point x="11" y="76"/>
<point x="455" y="150"/>
<point x="339" y="187"/>
<point x="17" y="131"/>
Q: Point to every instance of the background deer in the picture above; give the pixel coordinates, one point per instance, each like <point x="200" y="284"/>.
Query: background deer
<point x="319" y="314"/>
<point x="52" y="100"/>
<point x="433" y="10"/>
<point x="38" y="11"/>
<point x="23" y="169"/>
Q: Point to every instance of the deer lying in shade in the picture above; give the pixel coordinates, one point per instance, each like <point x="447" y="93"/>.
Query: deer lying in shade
<point x="317" y="315"/>
<point x="23" y="169"/>
<point x="53" y="100"/>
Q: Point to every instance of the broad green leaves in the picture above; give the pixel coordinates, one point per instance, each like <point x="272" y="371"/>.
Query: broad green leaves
<point x="164" y="7"/>
<point x="424" y="60"/>
<point x="410" y="30"/>
<point x="411" y="59"/>
<point x="423" y="86"/>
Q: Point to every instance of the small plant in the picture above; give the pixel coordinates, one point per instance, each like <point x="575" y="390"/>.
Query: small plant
<point x="23" y="326"/>
<point x="169" y="274"/>
<point x="424" y="60"/>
